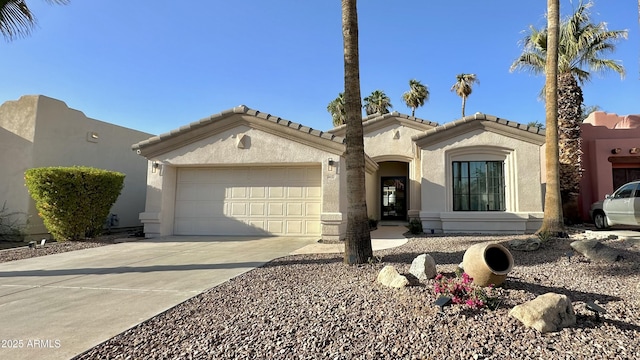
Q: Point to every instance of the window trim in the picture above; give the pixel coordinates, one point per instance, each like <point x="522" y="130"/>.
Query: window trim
<point x="483" y="153"/>
<point x="468" y="195"/>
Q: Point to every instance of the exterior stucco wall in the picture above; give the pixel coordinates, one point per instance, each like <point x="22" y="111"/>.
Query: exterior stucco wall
<point x="597" y="145"/>
<point x="392" y="140"/>
<point x="372" y="182"/>
<point x="17" y="120"/>
<point x="244" y="145"/>
<point x="61" y="136"/>
<point x="523" y="191"/>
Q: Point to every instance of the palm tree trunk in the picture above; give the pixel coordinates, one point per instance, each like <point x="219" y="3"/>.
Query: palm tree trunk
<point x="464" y="104"/>
<point x="358" y="248"/>
<point x="552" y="223"/>
<point x="413" y="110"/>
<point x="570" y="159"/>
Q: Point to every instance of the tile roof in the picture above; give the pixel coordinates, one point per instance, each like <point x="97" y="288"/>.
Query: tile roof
<point x="480" y="117"/>
<point x="242" y="109"/>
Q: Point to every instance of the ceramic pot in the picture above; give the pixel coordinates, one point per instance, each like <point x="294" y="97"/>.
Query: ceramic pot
<point x="487" y="263"/>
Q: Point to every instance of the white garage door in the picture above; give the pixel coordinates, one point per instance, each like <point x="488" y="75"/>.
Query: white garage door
<point x="284" y="201"/>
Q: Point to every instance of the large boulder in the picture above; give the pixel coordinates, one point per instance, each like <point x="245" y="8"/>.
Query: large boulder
<point x="390" y="277"/>
<point x="596" y="251"/>
<point x="546" y="313"/>
<point x="423" y="267"/>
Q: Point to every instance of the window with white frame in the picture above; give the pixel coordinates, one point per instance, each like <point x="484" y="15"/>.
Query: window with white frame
<point x="478" y="186"/>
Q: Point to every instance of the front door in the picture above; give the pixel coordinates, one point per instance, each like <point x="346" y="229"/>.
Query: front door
<point x="394" y="198"/>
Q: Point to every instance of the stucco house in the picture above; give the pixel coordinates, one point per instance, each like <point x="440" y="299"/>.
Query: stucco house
<point x="38" y="131"/>
<point x="245" y="172"/>
<point x="611" y="156"/>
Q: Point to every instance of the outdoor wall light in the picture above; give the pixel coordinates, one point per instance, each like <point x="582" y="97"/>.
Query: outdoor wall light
<point x="154" y="166"/>
<point x="634" y="150"/>
<point x="616" y="151"/>
<point x="331" y="162"/>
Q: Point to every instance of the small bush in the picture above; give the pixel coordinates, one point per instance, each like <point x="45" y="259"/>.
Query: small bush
<point x="74" y="202"/>
<point x="462" y="291"/>
<point x="373" y="224"/>
<point x="415" y="226"/>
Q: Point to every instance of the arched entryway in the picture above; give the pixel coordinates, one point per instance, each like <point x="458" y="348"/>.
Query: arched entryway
<point x="394" y="190"/>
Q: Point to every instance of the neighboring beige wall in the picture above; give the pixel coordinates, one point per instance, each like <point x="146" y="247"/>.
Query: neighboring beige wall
<point x="17" y="120"/>
<point x="259" y="148"/>
<point x="62" y="137"/>
<point x="524" y="194"/>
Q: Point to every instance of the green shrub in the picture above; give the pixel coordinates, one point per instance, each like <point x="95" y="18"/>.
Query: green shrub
<point x="74" y="202"/>
<point x="415" y="226"/>
<point x="373" y="224"/>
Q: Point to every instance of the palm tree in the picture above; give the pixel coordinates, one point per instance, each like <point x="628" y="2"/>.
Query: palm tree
<point x="463" y="87"/>
<point x="416" y="96"/>
<point x="16" y="19"/>
<point x="337" y="111"/>
<point x="357" y="244"/>
<point x="377" y="102"/>
<point x="552" y="222"/>
<point x="581" y="47"/>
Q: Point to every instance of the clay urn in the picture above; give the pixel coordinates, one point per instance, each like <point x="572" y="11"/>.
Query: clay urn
<point x="487" y="263"/>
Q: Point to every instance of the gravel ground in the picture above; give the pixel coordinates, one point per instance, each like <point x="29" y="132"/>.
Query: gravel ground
<point x="22" y="251"/>
<point x="315" y="307"/>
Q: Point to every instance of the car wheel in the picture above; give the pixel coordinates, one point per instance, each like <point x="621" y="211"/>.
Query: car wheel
<point x="600" y="221"/>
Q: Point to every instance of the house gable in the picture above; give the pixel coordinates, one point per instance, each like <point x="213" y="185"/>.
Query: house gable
<point x="240" y="116"/>
<point x="388" y="137"/>
<point x="375" y="122"/>
<point x="480" y="122"/>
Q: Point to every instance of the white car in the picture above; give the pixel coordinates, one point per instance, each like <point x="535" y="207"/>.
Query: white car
<point x="620" y="208"/>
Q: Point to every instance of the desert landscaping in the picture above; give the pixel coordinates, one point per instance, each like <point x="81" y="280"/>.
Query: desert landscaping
<point x="315" y="307"/>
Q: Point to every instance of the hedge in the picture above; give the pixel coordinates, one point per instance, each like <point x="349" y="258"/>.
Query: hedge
<point x="73" y="202"/>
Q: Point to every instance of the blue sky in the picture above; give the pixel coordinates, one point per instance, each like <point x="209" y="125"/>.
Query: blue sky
<point x="155" y="66"/>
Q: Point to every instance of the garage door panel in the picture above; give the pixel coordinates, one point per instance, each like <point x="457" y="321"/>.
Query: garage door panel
<point x="257" y="209"/>
<point x="258" y="192"/>
<point x="276" y="209"/>
<point x="295" y="192"/>
<point x="199" y="192"/>
<point x="295" y="227"/>
<point x="239" y="209"/>
<point x="248" y="201"/>
<point x="276" y="192"/>
<point x="239" y="193"/>
<point x="312" y="227"/>
<point x="294" y="209"/>
<point x="312" y="209"/>
<point x="275" y="226"/>
<point x="313" y="192"/>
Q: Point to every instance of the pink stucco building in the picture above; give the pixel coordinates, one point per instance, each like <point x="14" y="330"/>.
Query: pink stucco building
<point x="610" y="156"/>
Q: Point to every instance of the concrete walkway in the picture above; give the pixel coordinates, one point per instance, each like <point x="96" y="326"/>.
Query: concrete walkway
<point x="58" y="306"/>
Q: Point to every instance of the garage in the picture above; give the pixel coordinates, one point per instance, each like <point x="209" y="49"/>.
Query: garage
<point x="260" y="200"/>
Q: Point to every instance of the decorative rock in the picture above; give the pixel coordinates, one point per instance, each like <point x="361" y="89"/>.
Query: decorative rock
<point x="530" y="244"/>
<point x="390" y="277"/>
<point x="546" y="313"/>
<point x="596" y="251"/>
<point x="423" y="267"/>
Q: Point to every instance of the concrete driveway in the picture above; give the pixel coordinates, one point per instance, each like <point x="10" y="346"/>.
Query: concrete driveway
<point x="57" y="306"/>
